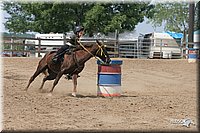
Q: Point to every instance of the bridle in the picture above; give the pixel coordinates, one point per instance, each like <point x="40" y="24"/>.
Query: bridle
<point x="100" y="49"/>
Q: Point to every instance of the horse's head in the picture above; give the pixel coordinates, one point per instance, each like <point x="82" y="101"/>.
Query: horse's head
<point x="102" y="53"/>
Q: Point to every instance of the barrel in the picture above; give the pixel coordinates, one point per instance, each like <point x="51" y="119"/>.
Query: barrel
<point x="109" y="79"/>
<point x="192" y="55"/>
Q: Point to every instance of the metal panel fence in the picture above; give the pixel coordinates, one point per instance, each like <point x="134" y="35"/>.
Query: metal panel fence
<point x="138" y="48"/>
<point x="150" y="48"/>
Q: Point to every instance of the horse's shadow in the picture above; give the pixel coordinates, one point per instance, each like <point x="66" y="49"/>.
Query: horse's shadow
<point x="95" y="96"/>
<point x="91" y="96"/>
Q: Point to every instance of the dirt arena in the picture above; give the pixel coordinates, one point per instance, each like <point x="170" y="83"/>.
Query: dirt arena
<point x="155" y="95"/>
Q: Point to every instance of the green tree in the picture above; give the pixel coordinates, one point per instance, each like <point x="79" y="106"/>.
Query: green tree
<point x="116" y="23"/>
<point x="44" y="17"/>
<point x="109" y="17"/>
<point x="93" y="19"/>
<point x="61" y="17"/>
<point x="174" y="15"/>
<point x="18" y="20"/>
<point x="197" y="17"/>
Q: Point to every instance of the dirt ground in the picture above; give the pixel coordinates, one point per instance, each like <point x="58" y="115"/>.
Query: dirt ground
<point x="156" y="96"/>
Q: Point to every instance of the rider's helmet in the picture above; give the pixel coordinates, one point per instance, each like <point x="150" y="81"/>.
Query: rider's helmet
<point x="78" y="29"/>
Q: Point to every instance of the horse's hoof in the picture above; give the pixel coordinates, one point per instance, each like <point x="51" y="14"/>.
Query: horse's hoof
<point x="50" y="94"/>
<point x="73" y="94"/>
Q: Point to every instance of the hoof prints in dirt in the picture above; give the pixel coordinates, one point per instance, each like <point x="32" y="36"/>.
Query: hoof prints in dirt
<point x="153" y="93"/>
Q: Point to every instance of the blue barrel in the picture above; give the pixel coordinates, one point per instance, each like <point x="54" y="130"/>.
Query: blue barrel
<point x="192" y="55"/>
<point x="109" y="79"/>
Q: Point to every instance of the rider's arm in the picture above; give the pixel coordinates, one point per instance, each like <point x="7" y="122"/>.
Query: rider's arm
<point x="73" y="40"/>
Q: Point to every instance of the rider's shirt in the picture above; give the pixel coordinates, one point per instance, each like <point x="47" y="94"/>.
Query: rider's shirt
<point x="74" y="40"/>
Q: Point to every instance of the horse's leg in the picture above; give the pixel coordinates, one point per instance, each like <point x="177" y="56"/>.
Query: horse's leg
<point x="51" y="76"/>
<point x="37" y="72"/>
<point x="43" y="81"/>
<point x="56" y="81"/>
<point x="74" y="78"/>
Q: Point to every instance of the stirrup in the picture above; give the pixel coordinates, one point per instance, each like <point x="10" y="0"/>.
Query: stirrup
<point x="69" y="53"/>
<point x="55" y="60"/>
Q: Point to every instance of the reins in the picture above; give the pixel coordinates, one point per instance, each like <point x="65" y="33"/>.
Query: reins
<point x="100" y="48"/>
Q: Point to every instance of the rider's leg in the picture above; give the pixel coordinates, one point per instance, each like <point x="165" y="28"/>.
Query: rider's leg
<point x="60" y="53"/>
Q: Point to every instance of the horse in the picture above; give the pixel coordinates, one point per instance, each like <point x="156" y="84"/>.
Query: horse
<point x="72" y="64"/>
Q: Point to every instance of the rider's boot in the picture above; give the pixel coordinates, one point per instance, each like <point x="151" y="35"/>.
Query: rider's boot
<point x="60" y="53"/>
<point x="55" y="59"/>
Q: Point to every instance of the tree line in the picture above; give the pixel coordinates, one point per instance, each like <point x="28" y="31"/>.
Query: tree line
<point x="60" y="17"/>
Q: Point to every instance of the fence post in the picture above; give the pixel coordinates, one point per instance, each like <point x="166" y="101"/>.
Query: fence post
<point x="161" y="49"/>
<point x="11" y="47"/>
<point x="191" y="24"/>
<point x="137" y="48"/>
<point x="117" y="42"/>
<point x="181" y="52"/>
<point x="64" y="41"/>
<point x="39" y="47"/>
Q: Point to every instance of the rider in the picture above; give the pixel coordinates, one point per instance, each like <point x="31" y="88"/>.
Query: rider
<point x="72" y="44"/>
<point x="69" y="46"/>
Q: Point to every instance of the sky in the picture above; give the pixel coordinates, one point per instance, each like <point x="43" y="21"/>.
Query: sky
<point x="145" y="27"/>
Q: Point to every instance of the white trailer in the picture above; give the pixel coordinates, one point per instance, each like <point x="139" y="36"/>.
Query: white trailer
<point x="162" y="45"/>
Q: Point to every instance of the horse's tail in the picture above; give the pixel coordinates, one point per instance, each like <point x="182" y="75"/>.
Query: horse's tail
<point x="44" y="59"/>
<point x="48" y="53"/>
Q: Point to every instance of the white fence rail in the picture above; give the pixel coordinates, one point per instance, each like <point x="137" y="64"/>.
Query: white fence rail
<point x="138" y="48"/>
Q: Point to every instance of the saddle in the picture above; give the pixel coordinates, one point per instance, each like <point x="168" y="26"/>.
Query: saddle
<point x="70" y="51"/>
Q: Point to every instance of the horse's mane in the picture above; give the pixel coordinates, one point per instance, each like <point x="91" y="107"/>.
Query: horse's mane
<point x="85" y="45"/>
<point x="88" y="45"/>
<point x="52" y="52"/>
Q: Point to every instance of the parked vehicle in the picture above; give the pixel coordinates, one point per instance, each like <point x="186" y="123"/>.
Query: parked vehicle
<point x="12" y="54"/>
<point x="160" y="45"/>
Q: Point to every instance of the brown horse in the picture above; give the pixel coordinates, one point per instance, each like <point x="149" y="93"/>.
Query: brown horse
<point x="72" y="64"/>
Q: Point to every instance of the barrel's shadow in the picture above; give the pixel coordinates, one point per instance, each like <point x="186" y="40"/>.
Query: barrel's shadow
<point x="129" y="96"/>
<point x="82" y="96"/>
